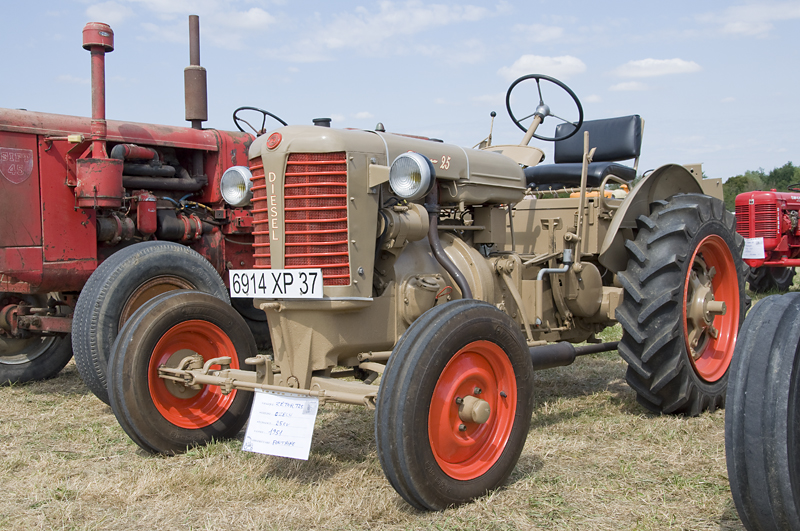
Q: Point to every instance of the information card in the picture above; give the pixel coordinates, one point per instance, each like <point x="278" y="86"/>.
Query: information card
<point x="281" y="424"/>
<point x="753" y="248"/>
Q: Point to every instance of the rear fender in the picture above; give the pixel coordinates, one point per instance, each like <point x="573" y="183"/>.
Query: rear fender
<point x="663" y="183"/>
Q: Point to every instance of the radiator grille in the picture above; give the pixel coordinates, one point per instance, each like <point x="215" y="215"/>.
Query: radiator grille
<point x="315" y="215"/>
<point x="260" y="215"/>
<point x="315" y="202"/>
<point x="763" y="223"/>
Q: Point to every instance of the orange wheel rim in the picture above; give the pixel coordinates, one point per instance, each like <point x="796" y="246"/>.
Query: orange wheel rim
<point x="711" y="357"/>
<point x="467" y="450"/>
<point x="209" y="404"/>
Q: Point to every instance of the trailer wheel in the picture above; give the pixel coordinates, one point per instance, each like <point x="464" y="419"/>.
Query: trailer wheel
<point x="764" y="279"/>
<point x="684" y="301"/>
<point x="125" y="281"/>
<point x="167" y="417"/>
<point x="33" y="358"/>
<point x="762" y="422"/>
<point x="454" y="406"/>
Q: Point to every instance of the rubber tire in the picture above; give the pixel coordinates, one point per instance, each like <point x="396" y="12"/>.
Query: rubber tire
<point x="129" y="390"/>
<point x="100" y="305"/>
<point x="765" y="279"/>
<point x="405" y="395"/>
<point x="39" y="358"/>
<point x="256" y="320"/>
<point x="762" y="422"/>
<point x="660" y="368"/>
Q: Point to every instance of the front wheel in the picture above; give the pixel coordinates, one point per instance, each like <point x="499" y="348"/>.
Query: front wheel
<point x="164" y="416"/>
<point x="764" y="279"/>
<point x="454" y="406"/>
<point x="684" y="301"/>
<point x="762" y="421"/>
<point x="38" y="357"/>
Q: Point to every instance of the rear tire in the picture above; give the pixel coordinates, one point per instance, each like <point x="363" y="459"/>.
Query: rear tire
<point x="464" y="349"/>
<point x="685" y="257"/>
<point x="125" y="281"/>
<point x="163" y="416"/>
<point x="762" y="422"/>
<point x="34" y="358"/>
<point x="764" y="279"/>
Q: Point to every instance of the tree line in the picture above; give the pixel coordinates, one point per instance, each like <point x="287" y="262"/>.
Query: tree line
<point x="778" y="179"/>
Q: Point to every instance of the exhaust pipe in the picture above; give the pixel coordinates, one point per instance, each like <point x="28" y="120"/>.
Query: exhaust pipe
<point x="194" y="79"/>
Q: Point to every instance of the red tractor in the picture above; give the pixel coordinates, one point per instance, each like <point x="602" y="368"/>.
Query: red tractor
<point x="118" y="212"/>
<point x="769" y="223"/>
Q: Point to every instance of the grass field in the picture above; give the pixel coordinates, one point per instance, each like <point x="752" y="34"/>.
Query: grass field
<point x="593" y="460"/>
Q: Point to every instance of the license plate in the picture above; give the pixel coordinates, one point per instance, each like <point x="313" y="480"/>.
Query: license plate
<point x="276" y="283"/>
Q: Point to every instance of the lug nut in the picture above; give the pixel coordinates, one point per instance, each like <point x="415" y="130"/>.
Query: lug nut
<point x="503" y="394"/>
<point x="462" y="427"/>
<point x="477" y="391"/>
<point x="459" y="400"/>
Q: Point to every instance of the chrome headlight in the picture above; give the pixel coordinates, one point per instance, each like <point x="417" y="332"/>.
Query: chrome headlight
<point x="411" y="176"/>
<point x="235" y="186"/>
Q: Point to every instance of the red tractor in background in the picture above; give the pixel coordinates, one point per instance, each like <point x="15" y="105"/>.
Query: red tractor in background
<point x="769" y="222"/>
<point x="118" y="212"/>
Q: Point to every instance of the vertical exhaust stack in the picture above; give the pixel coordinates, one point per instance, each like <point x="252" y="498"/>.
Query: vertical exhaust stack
<point x="99" y="178"/>
<point x="194" y="79"/>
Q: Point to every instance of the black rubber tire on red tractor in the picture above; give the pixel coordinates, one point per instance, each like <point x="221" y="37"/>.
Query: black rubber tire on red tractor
<point x="119" y="286"/>
<point x="34" y="358"/>
<point x="686" y="254"/>
<point x="765" y="279"/>
<point x="167" y="417"/>
<point x="762" y="420"/>
<point x="433" y="458"/>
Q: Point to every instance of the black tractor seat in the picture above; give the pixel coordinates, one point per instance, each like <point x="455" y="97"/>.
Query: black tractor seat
<point x="616" y="139"/>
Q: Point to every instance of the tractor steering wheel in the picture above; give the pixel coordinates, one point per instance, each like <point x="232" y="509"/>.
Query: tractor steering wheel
<point x="258" y="132"/>
<point x="543" y="110"/>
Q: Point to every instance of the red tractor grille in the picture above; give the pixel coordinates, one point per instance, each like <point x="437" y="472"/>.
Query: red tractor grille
<point x="315" y="215"/>
<point x="315" y="203"/>
<point x="763" y="223"/>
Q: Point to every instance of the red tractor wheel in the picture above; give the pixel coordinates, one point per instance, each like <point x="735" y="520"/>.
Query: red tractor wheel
<point x="683" y="305"/>
<point x="37" y="357"/>
<point x="454" y="406"/>
<point x="163" y="416"/>
<point x="121" y="285"/>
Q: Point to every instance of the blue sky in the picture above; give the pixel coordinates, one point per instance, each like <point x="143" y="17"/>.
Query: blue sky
<point x="717" y="82"/>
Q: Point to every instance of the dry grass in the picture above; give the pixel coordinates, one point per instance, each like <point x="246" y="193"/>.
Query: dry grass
<point x="593" y="460"/>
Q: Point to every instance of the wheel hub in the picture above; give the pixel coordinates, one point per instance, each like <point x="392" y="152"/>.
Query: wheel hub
<point x="473" y="409"/>
<point x="701" y="308"/>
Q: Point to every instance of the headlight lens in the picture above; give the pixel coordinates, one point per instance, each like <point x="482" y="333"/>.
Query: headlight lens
<point x="235" y="186"/>
<point x="411" y="176"/>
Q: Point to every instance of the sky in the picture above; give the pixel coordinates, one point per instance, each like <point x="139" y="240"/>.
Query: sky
<point x="716" y="82"/>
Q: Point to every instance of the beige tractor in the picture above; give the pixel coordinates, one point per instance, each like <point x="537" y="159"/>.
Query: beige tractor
<point x="428" y="281"/>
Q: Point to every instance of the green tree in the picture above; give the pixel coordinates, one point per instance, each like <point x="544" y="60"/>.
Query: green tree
<point x="749" y="182"/>
<point x="780" y="178"/>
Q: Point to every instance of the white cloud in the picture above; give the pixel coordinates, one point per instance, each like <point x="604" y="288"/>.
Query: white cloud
<point x="729" y="99"/>
<point x="337" y="118"/>
<point x="67" y="78"/>
<point x="628" y="86"/>
<point x="539" y="32"/>
<point x="592" y="98"/>
<point x="656" y="67"/>
<point x="755" y="19"/>
<point x="363" y="115"/>
<point x="109" y="12"/>
<point x="561" y="67"/>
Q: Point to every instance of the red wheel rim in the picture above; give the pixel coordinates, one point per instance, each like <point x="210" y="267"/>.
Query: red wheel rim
<point x="713" y="359"/>
<point x="208" y="405"/>
<point x="468" y="454"/>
